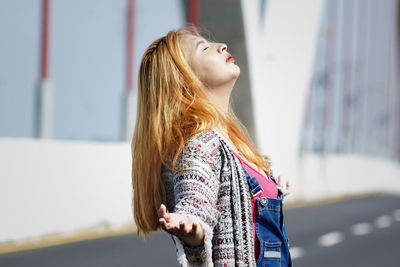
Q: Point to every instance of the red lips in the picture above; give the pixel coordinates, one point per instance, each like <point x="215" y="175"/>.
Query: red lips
<point x="230" y="58"/>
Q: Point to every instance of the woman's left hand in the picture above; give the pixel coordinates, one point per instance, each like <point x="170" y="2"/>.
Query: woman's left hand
<point x="284" y="186"/>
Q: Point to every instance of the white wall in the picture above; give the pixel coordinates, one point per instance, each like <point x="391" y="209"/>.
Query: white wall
<point x="62" y="186"/>
<point x="322" y="177"/>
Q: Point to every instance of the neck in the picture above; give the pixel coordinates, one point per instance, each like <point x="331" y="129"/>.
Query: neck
<point x="220" y="97"/>
<point x="224" y="134"/>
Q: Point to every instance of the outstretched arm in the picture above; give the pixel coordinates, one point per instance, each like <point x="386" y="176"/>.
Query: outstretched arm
<point x="193" y="195"/>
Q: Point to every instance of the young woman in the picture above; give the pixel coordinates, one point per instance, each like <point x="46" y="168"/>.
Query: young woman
<point x="195" y="172"/>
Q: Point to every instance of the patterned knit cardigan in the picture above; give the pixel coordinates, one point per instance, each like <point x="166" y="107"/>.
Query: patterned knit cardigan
<point x="213" y="190"/>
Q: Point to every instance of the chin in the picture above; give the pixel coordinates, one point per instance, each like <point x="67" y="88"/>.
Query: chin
<point x="237" y="71"/>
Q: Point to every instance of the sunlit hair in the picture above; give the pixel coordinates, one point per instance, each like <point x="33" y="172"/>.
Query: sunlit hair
<point x="173" y="105"/>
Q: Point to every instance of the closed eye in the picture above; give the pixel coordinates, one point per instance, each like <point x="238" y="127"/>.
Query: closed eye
<point x="205" y="48"/>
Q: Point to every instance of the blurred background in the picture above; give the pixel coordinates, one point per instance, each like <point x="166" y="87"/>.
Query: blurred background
<point x="319" y="93"/>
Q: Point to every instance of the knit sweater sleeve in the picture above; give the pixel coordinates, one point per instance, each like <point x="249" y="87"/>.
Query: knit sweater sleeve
<point x="194" y="192"/>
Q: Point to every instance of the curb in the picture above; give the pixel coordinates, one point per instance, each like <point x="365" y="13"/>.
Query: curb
<point x="59" y="239"/>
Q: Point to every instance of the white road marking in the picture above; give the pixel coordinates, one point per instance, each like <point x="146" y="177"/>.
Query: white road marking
<point x="361" y="229"/>
<point x="330" y="239"/>
<point x="383" y="221"/>
<point x="333" y="238"/>
<point x="296" y="252"/>
<point x="396" y="215"/>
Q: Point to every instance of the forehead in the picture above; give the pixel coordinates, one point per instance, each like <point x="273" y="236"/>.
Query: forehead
<point x="190" y="42"/>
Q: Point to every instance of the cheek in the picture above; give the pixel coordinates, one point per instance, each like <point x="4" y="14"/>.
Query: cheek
<point x="212" y="70"/>
<point x="208" y="72"/>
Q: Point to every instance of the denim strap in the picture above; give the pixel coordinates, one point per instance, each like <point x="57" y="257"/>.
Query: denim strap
<point x="255" y="188"/>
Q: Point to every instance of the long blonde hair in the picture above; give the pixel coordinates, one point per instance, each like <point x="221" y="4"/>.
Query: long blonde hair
<point x="173" y="105"/>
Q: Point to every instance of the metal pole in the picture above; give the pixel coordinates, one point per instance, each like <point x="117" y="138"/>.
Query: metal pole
<point x="45" y="86"/>
<point x="194" y="12"/>
<point x="129" y="95"/>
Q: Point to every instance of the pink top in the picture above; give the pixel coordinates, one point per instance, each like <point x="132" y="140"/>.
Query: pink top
<point x="269" y="190"/>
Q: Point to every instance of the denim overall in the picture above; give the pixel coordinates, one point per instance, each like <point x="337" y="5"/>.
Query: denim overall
<point x="270" y="228"/>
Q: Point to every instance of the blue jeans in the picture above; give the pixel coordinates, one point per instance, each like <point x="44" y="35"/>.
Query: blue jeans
<point x="270" y="229"/>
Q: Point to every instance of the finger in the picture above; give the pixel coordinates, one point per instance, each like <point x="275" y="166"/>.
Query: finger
<point x="280" y="181"/>
<point x="162" y="211"/>
<point x="191" y="228"/>
<point x="169" y="227"/>
<point x="185" y="229"/>
<point x="188" y="228"/>
<point x="176" y="229"/>
<point x="194" y="229"/>
<point x="167" y="215"/>
<point x="163" y="224"/>
<point x="181" y="226"/>
<point x="288" y="188"/>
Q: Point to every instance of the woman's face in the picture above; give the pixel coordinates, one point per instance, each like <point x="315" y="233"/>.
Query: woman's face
<point x="210" y="61"/>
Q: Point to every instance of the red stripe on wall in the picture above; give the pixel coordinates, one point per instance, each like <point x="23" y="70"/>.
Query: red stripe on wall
<point x="44" y="72"/>
<point x="194" y="12"/>
<point x="129" y="46"/>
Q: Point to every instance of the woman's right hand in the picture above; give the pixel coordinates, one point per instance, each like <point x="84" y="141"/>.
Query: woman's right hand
<point x="183" y="226"/>
<point x="284" y="185"/>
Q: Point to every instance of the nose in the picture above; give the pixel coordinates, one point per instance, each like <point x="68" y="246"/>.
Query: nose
<point x="222" y="47"/>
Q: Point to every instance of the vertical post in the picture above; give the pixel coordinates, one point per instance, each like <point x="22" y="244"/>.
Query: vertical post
<point x="359" y="74"/>
<point x="194" y="12"/>
<point x="45" y="86"/>
<point x="366" y="112"/>
<point x="330" y="55"/>
<point x="347" y="70"/>
<point x="397" y="79"/>
<point x="129" y="95"/>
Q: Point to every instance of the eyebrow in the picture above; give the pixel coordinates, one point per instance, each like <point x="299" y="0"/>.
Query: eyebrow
<point x="199" y="42"/>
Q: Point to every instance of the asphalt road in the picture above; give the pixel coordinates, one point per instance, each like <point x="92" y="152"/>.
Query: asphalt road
<point x="358" y="232"/>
